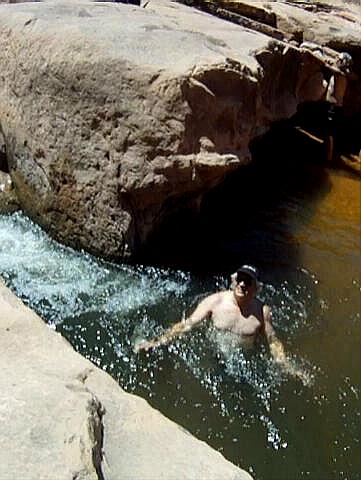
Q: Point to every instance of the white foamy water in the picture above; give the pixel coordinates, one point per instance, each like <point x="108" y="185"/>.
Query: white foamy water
<point x="60" y="282"/>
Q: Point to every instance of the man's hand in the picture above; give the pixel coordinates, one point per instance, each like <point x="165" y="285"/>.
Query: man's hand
<point x="277" y="351"/>
<point x="305" y="378"/>
<point x="144" y="345"/>
<point x="287" y="366"/>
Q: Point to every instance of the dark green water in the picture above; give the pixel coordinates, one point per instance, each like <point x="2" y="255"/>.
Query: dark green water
<point x="307" y="244"/>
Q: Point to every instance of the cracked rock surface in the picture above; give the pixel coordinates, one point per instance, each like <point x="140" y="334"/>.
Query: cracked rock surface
<point x="62" y="418"/>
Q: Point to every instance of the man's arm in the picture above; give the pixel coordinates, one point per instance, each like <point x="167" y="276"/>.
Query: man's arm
<point x="202" y="312"/>
<point x="275" y="345"/>
<point x="277" y="349"/>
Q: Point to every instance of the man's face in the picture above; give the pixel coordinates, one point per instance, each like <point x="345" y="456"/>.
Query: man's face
<point x="244" y="286"/>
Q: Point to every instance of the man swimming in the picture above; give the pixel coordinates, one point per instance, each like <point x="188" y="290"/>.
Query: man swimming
<point x="237" y="311"/>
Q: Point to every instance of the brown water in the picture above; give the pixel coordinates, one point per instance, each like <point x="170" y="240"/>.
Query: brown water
<point x="302" y="229"/>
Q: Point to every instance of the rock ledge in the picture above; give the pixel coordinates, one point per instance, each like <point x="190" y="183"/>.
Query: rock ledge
<point x="64" y="419"/>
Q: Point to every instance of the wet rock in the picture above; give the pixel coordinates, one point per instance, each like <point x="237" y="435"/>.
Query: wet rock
<point x="63" y="418"/>
<point x="108" y="107"/>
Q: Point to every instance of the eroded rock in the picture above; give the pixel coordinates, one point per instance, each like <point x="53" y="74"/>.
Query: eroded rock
<point x="115" y="115"/>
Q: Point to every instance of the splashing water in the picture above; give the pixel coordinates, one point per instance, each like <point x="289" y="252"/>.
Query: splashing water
<point x="104" y="308"/>
<point x="61" y="283"/>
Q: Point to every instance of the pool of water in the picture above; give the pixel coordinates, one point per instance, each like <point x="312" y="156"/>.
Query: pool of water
<point x="306" y="240"/>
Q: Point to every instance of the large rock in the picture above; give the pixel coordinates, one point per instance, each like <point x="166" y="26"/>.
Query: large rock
<point x="115" y="115"/>
<point x="63" y="419"/>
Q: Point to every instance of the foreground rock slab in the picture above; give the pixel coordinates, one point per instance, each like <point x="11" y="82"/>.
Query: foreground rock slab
<point x="63" y="419"/>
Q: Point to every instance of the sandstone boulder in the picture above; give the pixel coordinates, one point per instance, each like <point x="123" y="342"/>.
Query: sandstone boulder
<point x="64" y="419"/>
<point x="114" y="116"/>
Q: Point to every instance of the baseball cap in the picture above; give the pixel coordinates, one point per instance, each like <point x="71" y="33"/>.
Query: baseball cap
<point x="249" y="270"/>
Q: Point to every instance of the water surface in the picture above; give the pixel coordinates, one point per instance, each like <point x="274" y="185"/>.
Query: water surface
<point x="307" y="245"/>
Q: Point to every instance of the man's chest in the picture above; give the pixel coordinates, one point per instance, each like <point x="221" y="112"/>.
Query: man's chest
<point x="231" y="319"/>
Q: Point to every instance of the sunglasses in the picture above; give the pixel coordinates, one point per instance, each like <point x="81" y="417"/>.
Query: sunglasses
<point x="246" y="279"/>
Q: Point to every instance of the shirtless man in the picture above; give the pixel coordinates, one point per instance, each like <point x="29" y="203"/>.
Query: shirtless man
<point x="237" y="311"/>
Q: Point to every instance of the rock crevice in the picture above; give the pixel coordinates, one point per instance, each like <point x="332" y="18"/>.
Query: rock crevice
<point x="96" y="433"/>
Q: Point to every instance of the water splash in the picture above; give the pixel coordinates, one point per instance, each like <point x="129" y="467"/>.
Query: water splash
<point x="62" y="283"/>
<point x="104" y="308"/>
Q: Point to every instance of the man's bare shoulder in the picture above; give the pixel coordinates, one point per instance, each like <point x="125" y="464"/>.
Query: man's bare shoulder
<point x="217" y="298"/>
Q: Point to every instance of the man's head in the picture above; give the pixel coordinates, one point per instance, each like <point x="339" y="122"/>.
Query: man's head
<point x="245" y="281"/>
<point x="248" y="273"/>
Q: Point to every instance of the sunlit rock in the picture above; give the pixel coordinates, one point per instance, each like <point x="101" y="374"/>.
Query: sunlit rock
<point x="66" y="419"/>
<point x="116" y="116"/>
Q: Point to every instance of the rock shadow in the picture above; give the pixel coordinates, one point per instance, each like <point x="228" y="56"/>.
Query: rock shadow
<point x="252" y="216"/>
